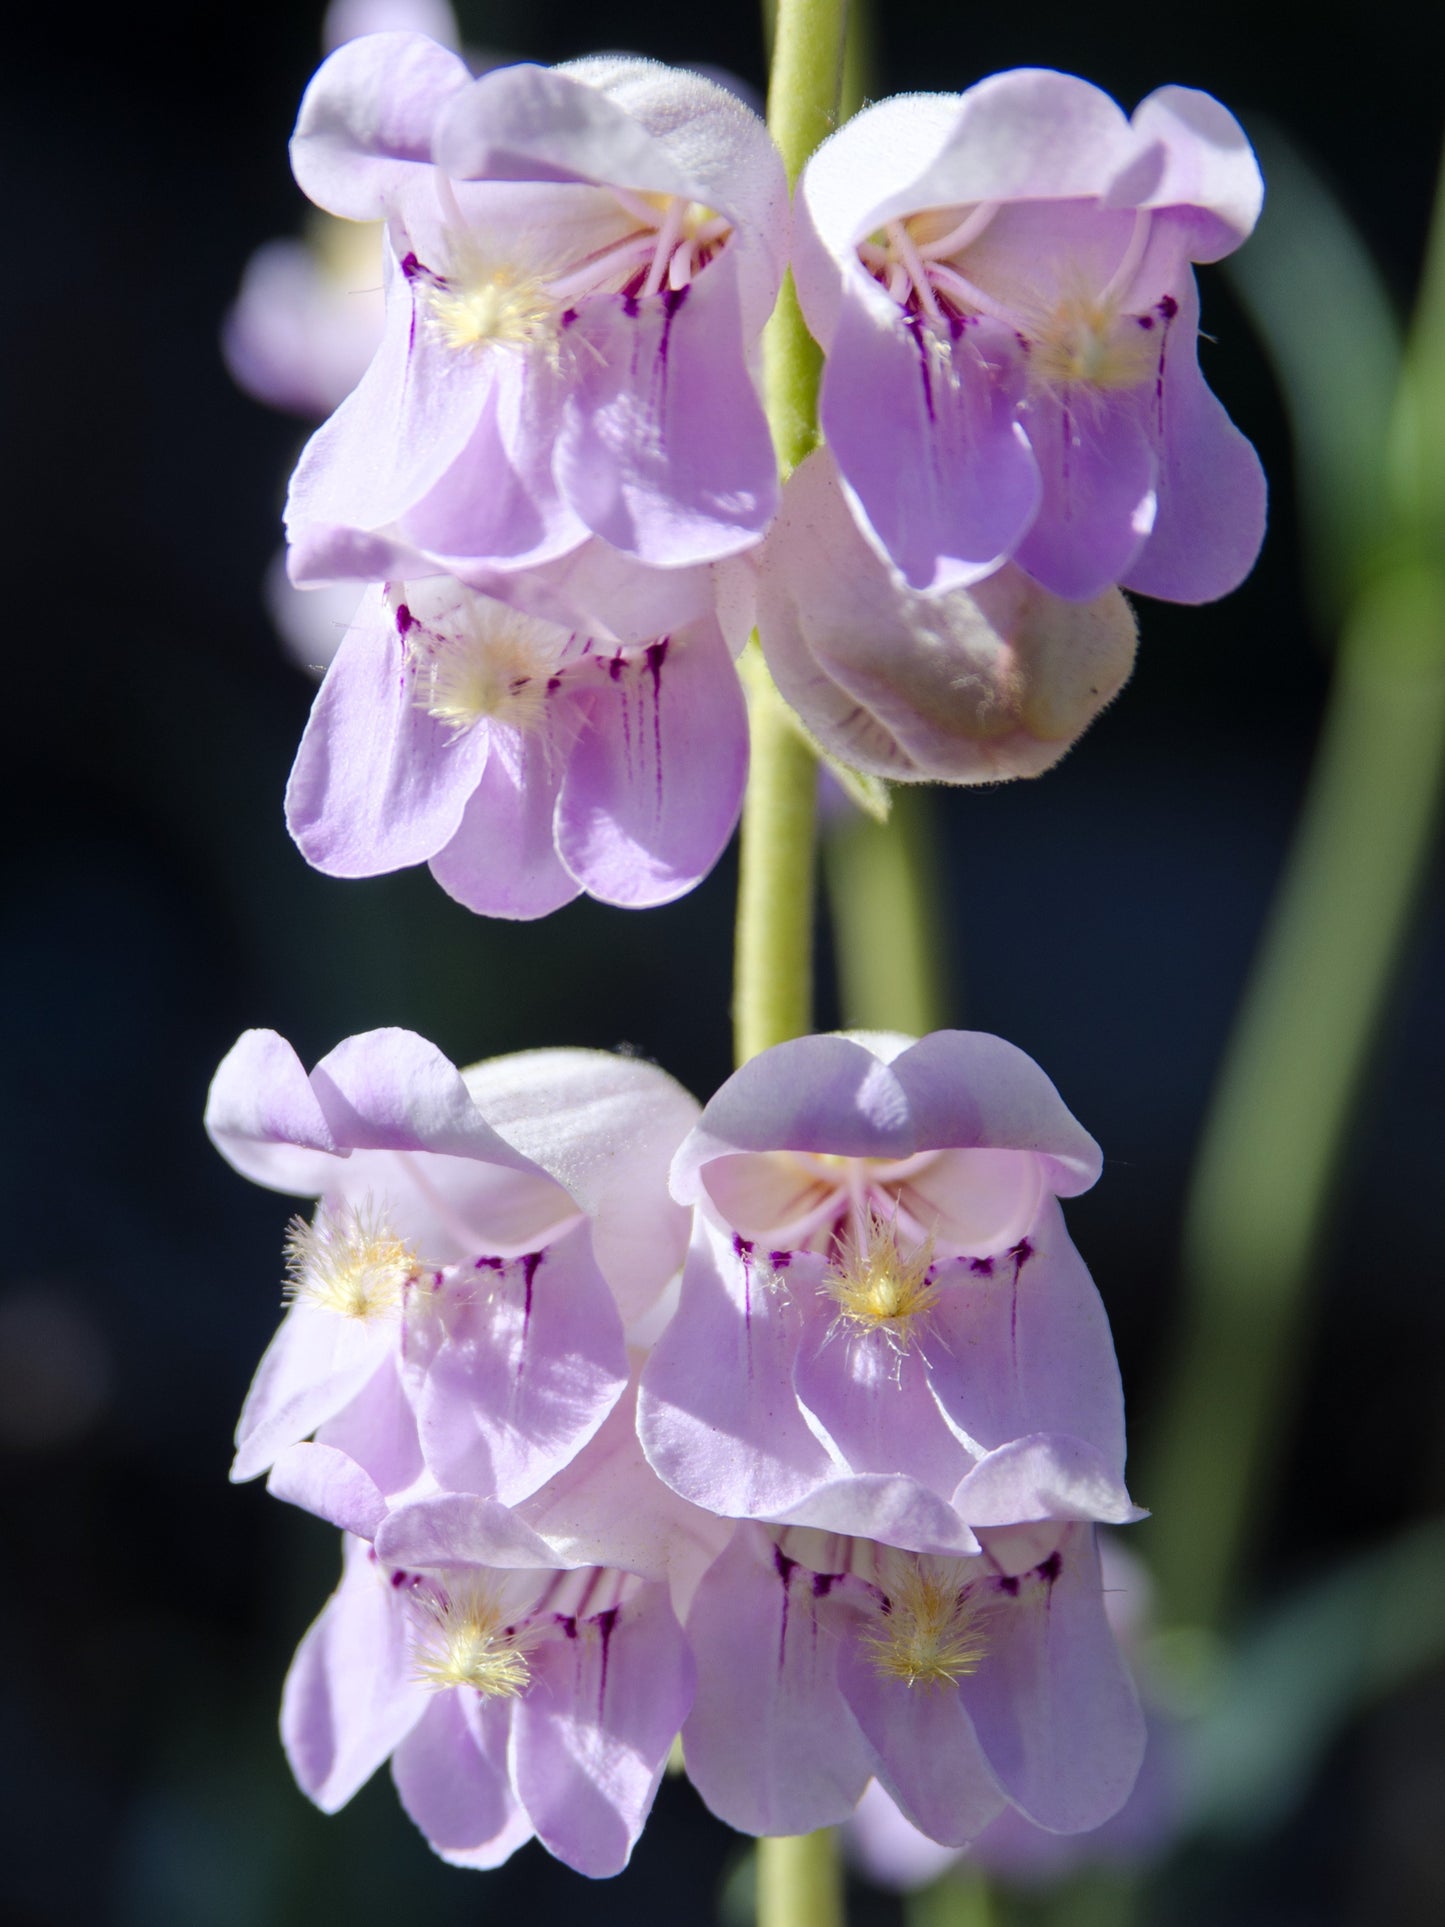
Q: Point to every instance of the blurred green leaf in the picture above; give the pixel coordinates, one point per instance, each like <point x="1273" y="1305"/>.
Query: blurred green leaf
<point x="1309" y="284"/>
<point x="1310" y="1667"/>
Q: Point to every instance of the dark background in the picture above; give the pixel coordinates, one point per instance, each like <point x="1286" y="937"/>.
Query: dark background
<point x="152" y="907"/>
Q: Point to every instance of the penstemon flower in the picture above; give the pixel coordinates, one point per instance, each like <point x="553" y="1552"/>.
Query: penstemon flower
<point x="525" y="761"/>
<point x="1002" y="282"/>
<point x="966" y="1685"/>
<point x="884" y="1329"/>
<point x="969" y="686"/>
<point x="458" y="1301"/>
<point x="516" y="1687"/>
<point x="895" y="1854"/>
<point x="579" y="261"/>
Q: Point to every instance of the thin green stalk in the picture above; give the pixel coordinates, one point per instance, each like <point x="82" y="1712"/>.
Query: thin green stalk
<point x="800" y="1883"/>
<point x="773" y="980"/>
<point x="773" y="959"/>
<point x="884" y="892"/>
<point x="799" y="1880"/>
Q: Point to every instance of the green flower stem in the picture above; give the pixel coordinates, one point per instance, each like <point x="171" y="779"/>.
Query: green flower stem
<point x="806" y="77"/>
<point x="773" y="959"/>
<point x="884" y="899"/>
<point x="800" y="1883"/>
<point x="773" y="974"/>
<point x="799" y="1880"/>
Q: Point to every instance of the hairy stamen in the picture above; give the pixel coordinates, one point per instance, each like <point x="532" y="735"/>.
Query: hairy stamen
<point x="930" y="1633"/>
<point x="462" y="1640"/>
<point x="348" y="1261"/>
<point x="877" y="1285"/>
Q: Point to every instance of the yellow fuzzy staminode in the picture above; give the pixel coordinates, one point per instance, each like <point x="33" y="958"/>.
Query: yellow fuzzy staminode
<point x="877" y="1286"/>
<point x="1087" y="342"/>
<point x="348" y="1261"/>
<point x="489" y="662"/>
<point x="930" y="1634"/>
<point x="463" y="1641"/>
<point x="493" y="304"/>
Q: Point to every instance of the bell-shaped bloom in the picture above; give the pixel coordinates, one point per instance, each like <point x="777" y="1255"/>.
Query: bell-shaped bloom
<point x="515" y="1691"/>
<point x="1013" y="1849"/>
<point x="481" y="1241"/>
<point x="1002" y="282"/>
<point x="883" y="1327"/>
<point x="524" y="761"/>
<point x="579" y="262"/>
<point x="965" y="1685"/>
<point x="970" y="686"/>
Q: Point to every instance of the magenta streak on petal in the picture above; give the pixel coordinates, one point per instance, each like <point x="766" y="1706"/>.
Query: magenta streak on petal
<point x="529" y="1271"/>
<point x="605" y="1623"/>
<point x="1020" y="1253"/>
<point x="785" y="1568"/>
<point x="744" y="1248"/>
<point x="1168" y="308"/>
<point x="404" y="618"/>
<point x="981" y="1267"/>
<point x="780" y="1260"/>
<point x="917" y="326"/>
<point x="656" y="655"/>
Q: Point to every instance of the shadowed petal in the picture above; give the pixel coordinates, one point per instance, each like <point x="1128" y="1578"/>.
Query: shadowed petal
<point x="502" y="860"/>
<point x="516" y="1373"/>
<point x="664" y="450"/>
<point x="457" y="1796"/>
<point x="717" y="1414"/>
<point x="654" y="785"/>
<point x="1053" y="1703"/>
<point x="592" y="1732"/>
<point x="1099" y="502"/>
<point x="923" y="427"/>
<point x="771" y="1745"/>
<point x="928" y="1755"/>
<point x="1024" y="1346"/>
<point x="1211" y="486"/>
<point x="377" y="783"/>
<point x="350" y="1697"/>
<point x="871" y="1402"/>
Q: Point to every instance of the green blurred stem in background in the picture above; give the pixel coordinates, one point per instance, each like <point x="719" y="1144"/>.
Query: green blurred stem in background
<point x="1312" y="1012"/>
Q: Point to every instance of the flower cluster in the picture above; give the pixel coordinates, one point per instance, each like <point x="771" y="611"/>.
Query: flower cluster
<point x="825" y="1508"/>
<point x="778" y="1430"/>
<point x="556" y="483"/>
